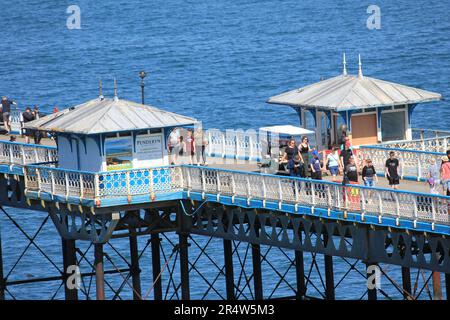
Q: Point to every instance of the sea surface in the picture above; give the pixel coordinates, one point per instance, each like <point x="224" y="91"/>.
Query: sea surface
<point x="218" y="61"/>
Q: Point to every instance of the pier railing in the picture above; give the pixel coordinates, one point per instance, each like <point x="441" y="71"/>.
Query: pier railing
<point x="437" y="144"/>
<point x="235" y="184"/>
<point x="414" y="165"/>
<point x="22" y="154"/>
<point x="420" y="133"/>
<point x="233" y="144"/>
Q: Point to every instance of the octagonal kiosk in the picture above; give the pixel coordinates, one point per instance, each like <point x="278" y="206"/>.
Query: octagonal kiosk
<point x="373" y="110"/>
<point x="111" y="134"/>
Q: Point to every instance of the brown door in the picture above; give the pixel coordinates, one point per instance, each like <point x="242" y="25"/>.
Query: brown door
<point x="364" y="129"/>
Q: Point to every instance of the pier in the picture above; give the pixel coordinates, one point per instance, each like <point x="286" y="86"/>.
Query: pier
<point x="96" y="185"/>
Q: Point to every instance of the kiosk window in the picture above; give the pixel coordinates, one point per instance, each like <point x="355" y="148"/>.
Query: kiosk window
<point x="393" y="125"/>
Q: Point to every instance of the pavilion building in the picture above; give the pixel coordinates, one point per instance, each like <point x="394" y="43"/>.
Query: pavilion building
<point x="111" y="134"/>
<point x="373" y="110"/>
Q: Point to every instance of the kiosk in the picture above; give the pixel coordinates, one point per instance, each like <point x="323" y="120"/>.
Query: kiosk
<point x="111" y="134"/>
<point x="373" y="110"/>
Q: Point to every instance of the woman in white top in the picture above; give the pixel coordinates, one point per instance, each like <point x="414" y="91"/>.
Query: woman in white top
<point x="333" y="163"/>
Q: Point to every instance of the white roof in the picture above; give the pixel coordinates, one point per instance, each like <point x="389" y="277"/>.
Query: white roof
<point x="108" y="115"/>
<point x="350" y="92"/>
<point x="287" y="130"/>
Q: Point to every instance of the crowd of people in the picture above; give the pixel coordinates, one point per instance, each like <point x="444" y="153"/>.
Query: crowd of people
<point x="341" y="161"/>
<point x="187" y="146"/>
<point x="439" y="175"/>
<point x="28" y="115"/>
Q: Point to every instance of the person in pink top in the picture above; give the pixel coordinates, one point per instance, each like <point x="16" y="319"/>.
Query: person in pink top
<point x="445" y="174"/>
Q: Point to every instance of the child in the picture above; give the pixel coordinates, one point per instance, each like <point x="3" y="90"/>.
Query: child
<point x="369" y="174"/>
<point x="295" y="166"/>
<point x="316" y="168"/>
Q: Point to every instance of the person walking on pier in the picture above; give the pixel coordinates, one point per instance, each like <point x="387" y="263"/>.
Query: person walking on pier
<point x="172" y="142"/>
<point x="391" y="170"/>
<point x="200" y="146"/>
<point x="316" y="168"/>
<point x="333" y="163"/>
<point x="351" y="172"/>
<point x="346" y="154"/>
<point x="305" y="149"/>
<point x="28" y="116"/>
<point x="445" y="174"/>
<point x="434" y="176"/>
<point x="6" y="113"/>
<point x="369" y="174"/>
<point x="190" y="146"/>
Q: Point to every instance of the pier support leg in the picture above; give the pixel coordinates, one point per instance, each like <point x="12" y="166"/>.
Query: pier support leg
<point x="99" y="272"/>
<point x="184" y="266"/>
<point x="229" y="271"/>
<point x="329" y="278"/>
<point x="69" y="259"/>
<point x="257" y="275"/>
<point x="437" y="290"/>
<point x="135" y="270"/>
<point x="2" y="279"/>
<point x="371" y="292"/>
<point x="406" y="280"/>
<point x="156" y="266"/>
<point x="300" y="275"/>
<point x="447" y="285"/>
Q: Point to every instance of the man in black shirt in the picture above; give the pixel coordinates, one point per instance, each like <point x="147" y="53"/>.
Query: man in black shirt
<point x="351" y="171"/>
<point x="27" y="117"/>
<point x="391" y="170"/>
<point x="6" y="110"/>
<point x="346" y="154"/>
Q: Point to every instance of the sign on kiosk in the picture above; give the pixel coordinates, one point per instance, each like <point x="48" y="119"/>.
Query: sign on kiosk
<point x="149" y="150"/>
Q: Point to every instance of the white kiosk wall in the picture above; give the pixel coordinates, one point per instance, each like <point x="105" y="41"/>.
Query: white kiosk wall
<point x="77" y="154"/>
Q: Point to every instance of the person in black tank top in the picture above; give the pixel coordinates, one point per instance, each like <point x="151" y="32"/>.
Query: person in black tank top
<point x="305" y="149"/>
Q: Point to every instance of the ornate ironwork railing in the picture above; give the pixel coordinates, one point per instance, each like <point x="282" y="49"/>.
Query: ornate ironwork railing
<point x="413" y="164"/>
<point x="436" y="144"/>
<point x="21" y="153"/>
<point x="278" y="189"/>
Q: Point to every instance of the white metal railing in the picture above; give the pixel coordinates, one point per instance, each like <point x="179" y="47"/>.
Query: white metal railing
<point x="233" y="144"/>
<point x="21" y="153"/>
<point x="413" y="164"/>
<point x="435" y="144"/>
<point x="420" y="133"/>
<point x="279" y="189"/>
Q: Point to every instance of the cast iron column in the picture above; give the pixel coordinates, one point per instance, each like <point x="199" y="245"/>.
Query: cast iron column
<point x="69" y="259"/>
<point x="406" y="279"/>
<point x="135" y="270"/>
<point x="229" y="272"/>
<point x="184" y="266"/>
<point x="156" y="266"/>
<point x="99" y="272"/>
<point x="300" y="275"/>
<point x="2" y="280"/>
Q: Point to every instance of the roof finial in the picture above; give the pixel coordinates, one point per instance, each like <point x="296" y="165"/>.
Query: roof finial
<point x="344" y="71"/>
<point x="116" y="98"/>
<point x="360" y="74"/>
<point x="100" y="88"/>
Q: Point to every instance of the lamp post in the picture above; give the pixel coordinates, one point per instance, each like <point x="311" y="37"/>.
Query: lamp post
<point x="142" y="75"/>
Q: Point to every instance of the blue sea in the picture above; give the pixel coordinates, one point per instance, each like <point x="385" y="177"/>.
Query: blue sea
<point x="218" y="61"/>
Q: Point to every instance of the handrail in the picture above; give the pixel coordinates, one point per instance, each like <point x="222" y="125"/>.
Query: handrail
<point x="14" y="153"/>
<point x="414" y="164"/>
<point x="251" y="186"/>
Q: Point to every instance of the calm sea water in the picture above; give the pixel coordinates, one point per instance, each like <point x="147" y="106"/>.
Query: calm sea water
<point x="216" y="60"/>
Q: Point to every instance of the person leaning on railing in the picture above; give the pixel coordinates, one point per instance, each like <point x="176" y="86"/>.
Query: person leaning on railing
<point x="28" y="116"/>
<point x="6" y="112"/>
